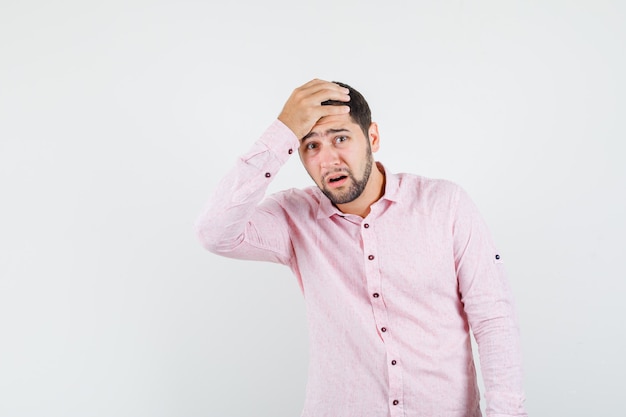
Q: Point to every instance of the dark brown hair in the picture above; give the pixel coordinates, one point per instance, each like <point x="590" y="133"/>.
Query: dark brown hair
<point x="359" y="109"/>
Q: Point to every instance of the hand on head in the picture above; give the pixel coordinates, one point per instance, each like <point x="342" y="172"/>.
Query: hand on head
<point x="304" y="107"/>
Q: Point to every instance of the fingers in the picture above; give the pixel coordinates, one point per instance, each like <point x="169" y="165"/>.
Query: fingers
<point x="318" y="91"/>
<point x="304" y="107"/>
<point x="332" y="110"/>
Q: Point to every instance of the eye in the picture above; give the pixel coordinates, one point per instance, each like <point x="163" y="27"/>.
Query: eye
<point x="310" y="146"/>
<point x="340" y="139"/>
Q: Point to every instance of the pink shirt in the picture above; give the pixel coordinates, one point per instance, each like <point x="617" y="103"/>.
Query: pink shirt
<point x="390" y="298"/>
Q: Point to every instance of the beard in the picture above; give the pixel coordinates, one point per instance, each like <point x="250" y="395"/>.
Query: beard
<point x="356" y="185"/>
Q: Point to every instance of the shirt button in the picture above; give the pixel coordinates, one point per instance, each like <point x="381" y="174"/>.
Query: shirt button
<point x="366" y="225"/>
<point x="497" y="257"/>
<point x="371" y="257"/>
<point x="396" y="402"/>
<point x="393" y="362"/>
<point x="267" y="175"/>
<point x="290" y="151"/>
<point x="375" y="295"/>
<point x="383" y="329"/>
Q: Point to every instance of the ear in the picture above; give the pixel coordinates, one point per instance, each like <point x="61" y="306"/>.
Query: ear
<point x="374" y="138"/>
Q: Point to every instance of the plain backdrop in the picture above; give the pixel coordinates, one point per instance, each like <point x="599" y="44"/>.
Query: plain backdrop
<point x="118" y="118"/>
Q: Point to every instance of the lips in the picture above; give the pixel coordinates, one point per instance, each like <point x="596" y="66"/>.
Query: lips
<point x="336" y="179"/>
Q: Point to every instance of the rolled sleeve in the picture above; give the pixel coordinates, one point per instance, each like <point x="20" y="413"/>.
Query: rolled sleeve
<point x="488" y="302"/>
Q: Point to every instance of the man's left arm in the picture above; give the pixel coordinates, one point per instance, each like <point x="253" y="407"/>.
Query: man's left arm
<point x="489" y="306"/>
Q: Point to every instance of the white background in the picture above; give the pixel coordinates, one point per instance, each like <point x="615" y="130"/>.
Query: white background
<point x="118" y="118"/>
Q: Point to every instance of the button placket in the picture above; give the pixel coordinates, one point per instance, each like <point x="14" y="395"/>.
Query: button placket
<point x="381" y="322"/>
<point x="372" y="272"/>
<point x="395" y="372"/>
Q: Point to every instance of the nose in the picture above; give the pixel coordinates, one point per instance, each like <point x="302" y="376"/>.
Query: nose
<point x="328" y="156"/>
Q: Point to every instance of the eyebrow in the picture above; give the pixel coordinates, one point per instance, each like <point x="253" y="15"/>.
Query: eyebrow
<point x="328" y="132"/>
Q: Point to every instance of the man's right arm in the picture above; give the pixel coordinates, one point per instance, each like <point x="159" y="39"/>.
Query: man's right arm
<point x="235" y="223"/>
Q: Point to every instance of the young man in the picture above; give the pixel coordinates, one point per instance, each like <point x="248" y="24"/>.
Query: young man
<point x="395" y="268"/>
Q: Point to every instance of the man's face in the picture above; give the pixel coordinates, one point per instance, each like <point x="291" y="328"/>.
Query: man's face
<point x="338" y="157"/>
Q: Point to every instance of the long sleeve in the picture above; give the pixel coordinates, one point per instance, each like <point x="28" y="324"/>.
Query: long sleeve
<point x="489" y="306"/>
<point x="236" y="222"/>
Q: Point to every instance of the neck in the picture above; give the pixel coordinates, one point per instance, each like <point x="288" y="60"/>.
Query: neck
<point x="373" y="191"/>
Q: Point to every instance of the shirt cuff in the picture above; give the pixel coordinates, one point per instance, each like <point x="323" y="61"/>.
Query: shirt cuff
<point x="279" y="139"/>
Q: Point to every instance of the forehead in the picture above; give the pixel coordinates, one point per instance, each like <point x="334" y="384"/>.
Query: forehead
<point x="342" y="121"/>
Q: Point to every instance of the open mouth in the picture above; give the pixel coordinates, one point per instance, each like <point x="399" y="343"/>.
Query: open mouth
<point x="337" y="179"/>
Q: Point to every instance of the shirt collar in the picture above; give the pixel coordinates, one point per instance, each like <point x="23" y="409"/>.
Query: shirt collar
<point x="392" y="190"/>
